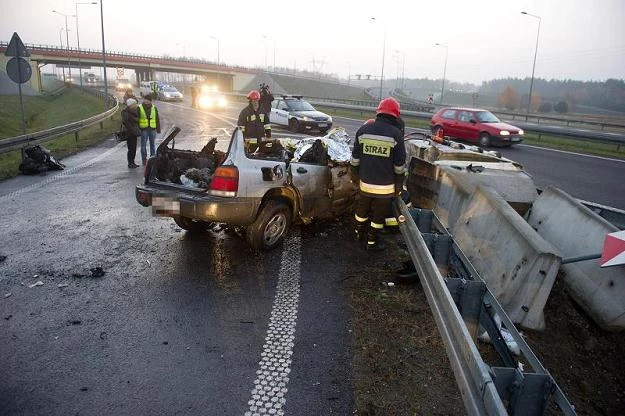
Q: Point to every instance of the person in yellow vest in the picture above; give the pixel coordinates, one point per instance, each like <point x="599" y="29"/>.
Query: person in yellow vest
<point x="150" y="124"/>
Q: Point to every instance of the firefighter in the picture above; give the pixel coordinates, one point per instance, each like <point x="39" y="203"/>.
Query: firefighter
<point x="254" y="122"/>
<point x="377" y="163"/>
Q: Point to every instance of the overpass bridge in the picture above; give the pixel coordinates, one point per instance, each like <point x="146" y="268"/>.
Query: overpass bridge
<point x="145" y="66"/>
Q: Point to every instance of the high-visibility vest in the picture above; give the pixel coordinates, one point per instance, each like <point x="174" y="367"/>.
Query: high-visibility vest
<point x="144" y="121"/>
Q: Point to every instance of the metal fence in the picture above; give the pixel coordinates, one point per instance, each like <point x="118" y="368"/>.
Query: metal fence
<point x="13" y="143"/>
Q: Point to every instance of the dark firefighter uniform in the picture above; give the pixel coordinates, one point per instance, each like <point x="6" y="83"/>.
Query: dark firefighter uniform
<point x="379" y="156"/>
<point x="254" y="125"/>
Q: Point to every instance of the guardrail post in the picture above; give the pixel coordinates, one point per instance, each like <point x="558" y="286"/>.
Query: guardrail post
<point x="76" y="136"/>
<point x="101" y="126"/>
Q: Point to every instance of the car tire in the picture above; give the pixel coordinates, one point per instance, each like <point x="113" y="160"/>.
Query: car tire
<point x="485" y="140"/>
<point x="270" y="227"/>
<point x="191" y="225"/>
<point x="294" y="125"/>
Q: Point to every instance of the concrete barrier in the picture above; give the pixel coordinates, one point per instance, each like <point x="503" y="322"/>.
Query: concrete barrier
<point x="518" y="265"/>
<point x="576" y="230"/>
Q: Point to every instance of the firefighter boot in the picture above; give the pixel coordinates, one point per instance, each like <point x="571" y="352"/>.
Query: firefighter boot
<point x="360" y="231"/>
<point x="374" y="242"/>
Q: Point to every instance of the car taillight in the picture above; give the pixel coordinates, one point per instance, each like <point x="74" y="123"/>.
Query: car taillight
<point x="225" y="181"/>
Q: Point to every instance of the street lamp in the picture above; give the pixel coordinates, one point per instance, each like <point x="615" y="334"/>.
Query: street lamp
<point x="444" y="70"/>
<point x="69" y="59"/>
<point x="383" y="52"/>
<point x="61" y="40"/>
<point x="274" y="52"/>
<point x="78" y="39"/>
<point x="529" y="100"/>
<point x="106" y="86"/>
<point x="217" y="39"/>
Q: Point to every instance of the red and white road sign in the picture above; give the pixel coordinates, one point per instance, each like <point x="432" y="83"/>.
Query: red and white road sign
<point x="613" y="249"/>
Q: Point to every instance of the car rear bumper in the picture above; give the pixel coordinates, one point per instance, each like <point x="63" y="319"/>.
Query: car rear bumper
<point x="172" y="203"/>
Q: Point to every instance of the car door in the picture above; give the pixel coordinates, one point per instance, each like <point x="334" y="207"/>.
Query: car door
<point x="449" y="122"/>
<point x="466" y="128"/>
<point x="311" y="180"/>
<point x="279" y="113"/>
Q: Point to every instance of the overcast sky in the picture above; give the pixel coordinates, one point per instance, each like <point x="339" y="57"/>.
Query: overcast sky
<point x="579" y="39"/>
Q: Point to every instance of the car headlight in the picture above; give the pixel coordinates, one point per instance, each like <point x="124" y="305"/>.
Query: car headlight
<point x="521" y="132"/>
<point x="167" y="95"/>
<point x="223" y="102"/>
<point x="504" y="133"/>
<point x="304" y="118"/>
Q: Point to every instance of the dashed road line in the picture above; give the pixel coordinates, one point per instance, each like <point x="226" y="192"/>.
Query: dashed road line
<point x="62" y="174"/>
<point x="270" y="386"/>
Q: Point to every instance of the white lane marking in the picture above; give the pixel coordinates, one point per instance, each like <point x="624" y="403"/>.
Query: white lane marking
<point x="62" y="174"/>
<point x="270" y="386"/>
<point x="572" y="153"/>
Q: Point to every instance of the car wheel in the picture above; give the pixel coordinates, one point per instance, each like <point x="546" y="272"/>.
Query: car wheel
<point x="294" y="125"/>
<point x="485" y="140"/>
<point x="193" y="226"/>
<point x="270" y="227"/>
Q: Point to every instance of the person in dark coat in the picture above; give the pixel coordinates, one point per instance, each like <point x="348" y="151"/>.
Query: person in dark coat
<point x="130" y="120"/>
<point x="266" y="97"/>
<point x="129" y="93"/>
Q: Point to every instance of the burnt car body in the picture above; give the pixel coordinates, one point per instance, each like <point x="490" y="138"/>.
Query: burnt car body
<point x="263" y="192"/>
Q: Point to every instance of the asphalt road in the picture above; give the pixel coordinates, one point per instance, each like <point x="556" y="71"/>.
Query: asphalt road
<point x="179" y="324"/>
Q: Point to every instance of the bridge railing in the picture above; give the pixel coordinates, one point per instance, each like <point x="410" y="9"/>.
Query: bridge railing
<point x="18" y="142"/>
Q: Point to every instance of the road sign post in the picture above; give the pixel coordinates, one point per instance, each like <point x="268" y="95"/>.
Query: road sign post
<point x="18" y="69"/>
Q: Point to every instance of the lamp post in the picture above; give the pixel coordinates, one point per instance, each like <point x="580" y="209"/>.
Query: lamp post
<point x="217" y="39"/>
<point x="274" y="52"/>
<point x="106" y="96"/>
<point x="403" y="67"/>
<point x="69" y="59"/>
<point x="444" y="70"/>
<point x="529" y="100"/>
<point x="78" y="39"/>
<point x="383" y="52"/>
<point x="61" y="40"/>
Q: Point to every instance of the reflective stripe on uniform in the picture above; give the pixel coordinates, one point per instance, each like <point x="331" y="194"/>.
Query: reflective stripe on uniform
<point x="267" y="126"/>
<point x="252" y="117"/>
<point x="354" y="162"/>
<point x="391" y="222"/>
<point x="377" y="189"/>
<point x="251" y="141"/>
<point x="376" y="225"/>
<point x="360" y="219"/>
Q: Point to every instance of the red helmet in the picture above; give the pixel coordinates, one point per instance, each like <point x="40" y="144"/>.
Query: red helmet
<point x="253" y="95"/>
<point x="388" y="106"/>
<point x="371" y="120"/>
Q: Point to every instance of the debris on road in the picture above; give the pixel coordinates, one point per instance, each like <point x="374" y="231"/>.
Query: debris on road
<point x="2" y="258"/>
<point x="8" y="317"/>
<point x="37" y="283"/>
<point x="38" y="160"/>
<point x="62" y="285"/>
<point x="74" y="322"/>
<point x="84" y="389"/>
<point x="97" y="272"/>
<point x="6" y="295"/>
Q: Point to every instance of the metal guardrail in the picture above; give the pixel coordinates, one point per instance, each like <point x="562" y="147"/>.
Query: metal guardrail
<point x="461" y="305"/>
<point x="13" y="143"/>
<point x="568" y="121"/>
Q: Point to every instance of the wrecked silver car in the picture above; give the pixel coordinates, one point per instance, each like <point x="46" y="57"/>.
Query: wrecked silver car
<point x="263" y="192"/>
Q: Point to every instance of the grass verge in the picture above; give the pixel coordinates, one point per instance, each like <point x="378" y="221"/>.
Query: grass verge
<point x="553" y="142"/>
<point x="46" y="112"/>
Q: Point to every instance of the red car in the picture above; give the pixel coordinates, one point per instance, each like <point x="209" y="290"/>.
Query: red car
<point x="475" y="125"/>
